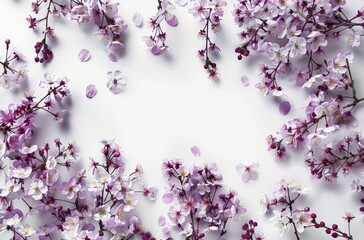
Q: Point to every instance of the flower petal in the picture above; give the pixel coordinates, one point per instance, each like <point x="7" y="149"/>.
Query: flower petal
<point x="195" y="151"/>
<point x="161" y="221"/>
<point x="173" y="21"/>
<point x="168" y="198"/>
<point x="91" y="91"/>
<point x="181" y="2"/>
<point x="84" y="55"/>
<point x="137" y="19"/>
<point x="112" y="57"/>
<point x="284" y="107"/>
<point x="244" y="80"/>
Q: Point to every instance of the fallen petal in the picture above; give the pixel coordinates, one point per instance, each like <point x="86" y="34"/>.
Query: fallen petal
<point x="167" y="198"/>
<point x="91" y="91"/>
<point x="84" y="55"/>
<point x="195" y="151"/>
<point x="181" y="2"/>
<point x="244" y="80"/>
<point x="161" y="221"/>
<point x="284" y="107"/>
<point x="137" y="19"/>
<point x="112" y="57"/>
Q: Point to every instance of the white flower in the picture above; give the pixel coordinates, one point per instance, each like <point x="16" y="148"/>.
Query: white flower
<point x="278" y="221"/>
<point x="264" y="205"/>
<point x="37" y="189"/>
<point x="130" y="202"/>
<point x="296" y="46"/>
<point x="10" y="186"/>
<point x="317" y="40"/>
<point x="13" y="221"/>
<point x="71" y="223"/>
<point x="115" y="82"/>
<point x="302" y="219"/>
<point x="276" y="53"/>
<point x="248" y="171"/>
<point x="102" y="213"/>
<point x="355" y="186"/>
<point x="353" y="39"/>
<point x="7" y="81"/>
<point x="21" y="173"/>
<point x="26" y="150"/>
<point x="26" y="230"/>
<point x="187" y="230"/>
<point x="51" y="163"/>
<point x="312" y="80"/>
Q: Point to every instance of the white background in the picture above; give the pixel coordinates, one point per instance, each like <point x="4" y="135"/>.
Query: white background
<point x="170" y="105"/>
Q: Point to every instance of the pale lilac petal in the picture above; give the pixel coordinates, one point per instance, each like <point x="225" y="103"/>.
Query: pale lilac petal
<point x="118" y="74"/>
<point x="165" y="230"/>
<point x="137" y="19"/>
<point x="246" y="176"/>
<point x="181" y="2"/>
<point x="161" y="221"/>
<point x="173" y="21"/>
<point x="244" y="80"/>
<point x="240" y="167"/>
<point x="156" y="50"/>
<point x="167" y="198"/>
<point x="253" y="175"/>
<point x="84" y="55"/>
<point x="284" y="107"/>
<point x="254" y="165"/>
<point x="112" y="57"/>
<point x="91" y="91"/>
<point x="195" y="151"/>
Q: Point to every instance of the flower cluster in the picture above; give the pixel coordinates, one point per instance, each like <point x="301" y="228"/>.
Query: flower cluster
<point x="327" y="110"/>
<point x="11" y="76"/>
<point x="289" y="30"/>
<point x="157" y="41"/>
<point x="101" y="13"/>
<point x="210" y="12"/>
<point x="198" y="205"/>
<point x="77" y="209"/>
<point x="286" y="214"/>
<point x="17" y="123"/>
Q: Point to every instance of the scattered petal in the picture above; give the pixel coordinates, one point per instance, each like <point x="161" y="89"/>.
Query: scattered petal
<point x="244" y="80"/>
<point x="161" y="221"/>
<point x="165" y="230"/>
<point x="84" y="55"/>
<point x="112" y="57"/>
<point x="91" y="91"/>
<point x="173" y="21"/>
<point x="195" y="151"/>
<point x="137" y="19"/>
<point x="181" y="2"/>
<point x="284" y="107"/>
<point x="167" y="198"/>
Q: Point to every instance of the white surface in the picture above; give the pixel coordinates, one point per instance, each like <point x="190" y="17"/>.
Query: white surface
<point x="170" y="105"/>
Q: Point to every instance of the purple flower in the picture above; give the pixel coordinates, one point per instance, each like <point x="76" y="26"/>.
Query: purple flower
<point x="248" y="171"/>
<point x="116" y="82"/>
